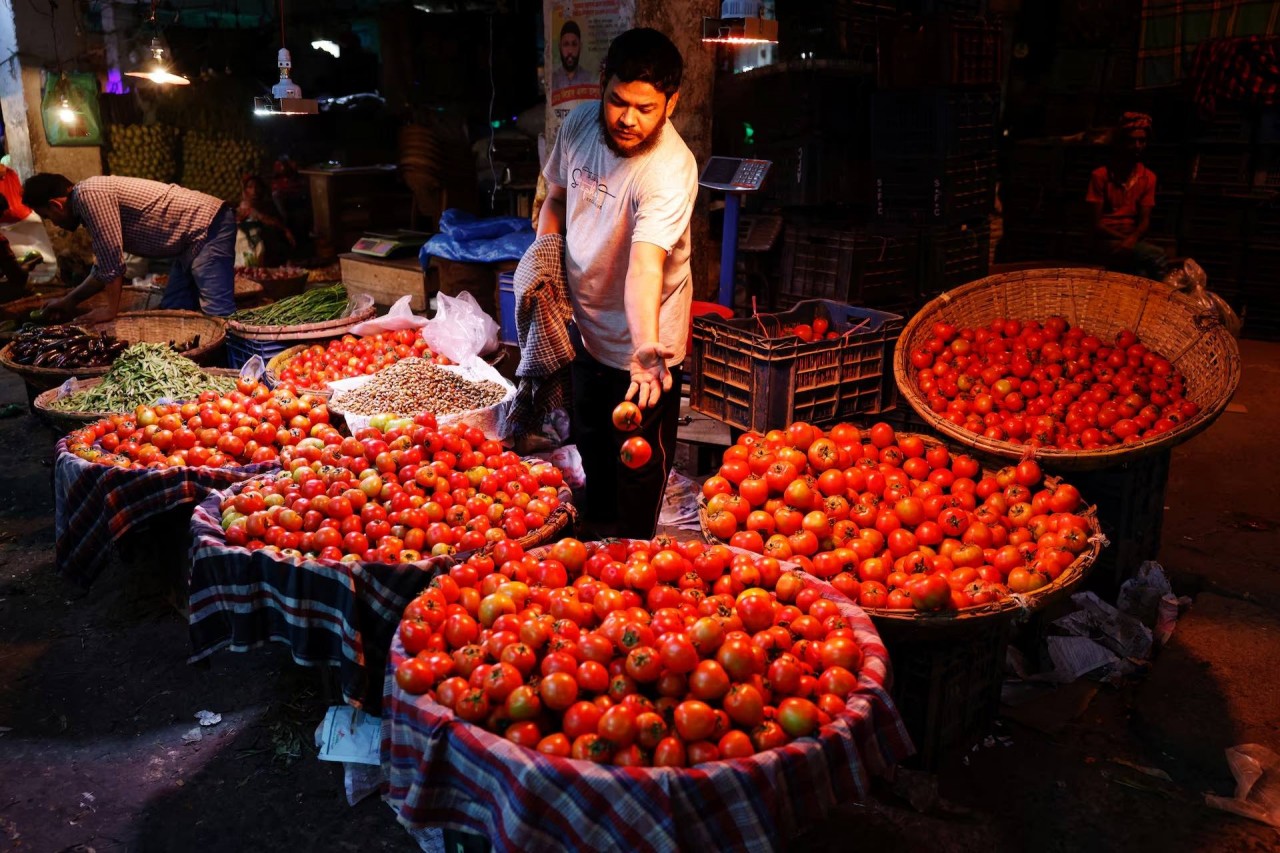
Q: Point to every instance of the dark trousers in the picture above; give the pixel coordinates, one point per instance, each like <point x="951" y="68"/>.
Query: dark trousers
<point x="631" y="498"/>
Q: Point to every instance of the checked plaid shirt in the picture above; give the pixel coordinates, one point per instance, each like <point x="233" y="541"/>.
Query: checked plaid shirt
<point x="145" y="218"/>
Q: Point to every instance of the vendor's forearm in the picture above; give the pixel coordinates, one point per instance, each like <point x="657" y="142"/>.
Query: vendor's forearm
<point x="551" y="217"/>
<point x="93" y="285"/>
<point x="643" y="297"/>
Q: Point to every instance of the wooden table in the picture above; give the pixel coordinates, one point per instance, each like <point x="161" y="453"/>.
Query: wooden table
<point x="385" y="280"/>
<point x="347" y="201"/>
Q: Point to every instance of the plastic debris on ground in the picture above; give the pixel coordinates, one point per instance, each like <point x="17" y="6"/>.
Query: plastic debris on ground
<point x="353" y="738"/>
<point x="1257" y="773"/>
<point x="569" y="461"/>
<point x="680" y="503"/>
<point x="1103" y="642"/>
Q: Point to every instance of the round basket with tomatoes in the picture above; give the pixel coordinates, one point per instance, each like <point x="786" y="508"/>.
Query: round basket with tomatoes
<point x="1089" y="368"/>
<point x="400" y="496"/>
<point x="611" y="667"/>
<point x="312" y="368"/>
<point x="250" y="425"/>
<point x="899" y="523"/>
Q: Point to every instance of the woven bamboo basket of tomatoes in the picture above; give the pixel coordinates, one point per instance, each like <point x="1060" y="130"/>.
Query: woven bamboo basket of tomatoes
<point x="683" y="744"/>
<point x="1166" y="344"/>
<point x="198" y="337"/>
<point x="1087" y="540"/>
<point x="69" y="420"/>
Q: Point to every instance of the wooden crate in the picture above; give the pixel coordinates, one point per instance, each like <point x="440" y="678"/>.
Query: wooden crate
<point x="385" y="281"/>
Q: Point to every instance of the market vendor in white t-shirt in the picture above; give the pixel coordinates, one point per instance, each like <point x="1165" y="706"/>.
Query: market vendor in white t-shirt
<point x="621" y="188"/>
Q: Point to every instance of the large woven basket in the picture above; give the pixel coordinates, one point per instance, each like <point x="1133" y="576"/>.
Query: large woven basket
<point x="69" y="420"/>
<point x="1103" y="303"/>
<point x="278" y="361"/>
<point x="144" y="326"/>
<point x="957" y="620"/>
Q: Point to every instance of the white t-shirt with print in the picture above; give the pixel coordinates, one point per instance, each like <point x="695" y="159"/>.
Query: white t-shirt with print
<point x="610" y="203"/>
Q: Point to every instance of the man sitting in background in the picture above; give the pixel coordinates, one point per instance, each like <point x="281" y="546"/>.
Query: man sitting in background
<point x="1122" y="194"/>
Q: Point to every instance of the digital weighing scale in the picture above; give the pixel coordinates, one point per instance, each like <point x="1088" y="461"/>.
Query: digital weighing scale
<point x="386" y="245"/>
<point x="733" y="176"/>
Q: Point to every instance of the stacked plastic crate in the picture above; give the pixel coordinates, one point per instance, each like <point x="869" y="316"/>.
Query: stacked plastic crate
<point x="933" y="141"/>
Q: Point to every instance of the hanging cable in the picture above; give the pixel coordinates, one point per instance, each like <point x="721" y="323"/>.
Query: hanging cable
<point x="493" y="95"/>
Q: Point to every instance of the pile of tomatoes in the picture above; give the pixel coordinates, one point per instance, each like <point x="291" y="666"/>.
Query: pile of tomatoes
<point x="400" y="497"/>
<point x="251" y="424"/>
<point x="349" y="356"/>
<point x="892" y="521"/>
<point x="634" y="653"/>
<point x="1049" y="384"/>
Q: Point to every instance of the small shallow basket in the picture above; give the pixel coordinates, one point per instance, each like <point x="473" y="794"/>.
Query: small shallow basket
<point x="1103" y="303"/>
<point x="279" y="287"/>
<point x="951" y="620"/>
<point x="309" y="332"/>
<point x="140" y="327"/>
<point x="69" y="420"/>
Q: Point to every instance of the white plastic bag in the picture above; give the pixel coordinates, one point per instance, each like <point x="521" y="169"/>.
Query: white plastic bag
<point x="1192" y="280"/>
<point x="1257" y="772"/>
<point x="400" y="316"/>
<point x="460" y="330"/>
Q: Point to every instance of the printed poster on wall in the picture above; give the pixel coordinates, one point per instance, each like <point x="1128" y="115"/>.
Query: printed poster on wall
<point x="578" y="37"/>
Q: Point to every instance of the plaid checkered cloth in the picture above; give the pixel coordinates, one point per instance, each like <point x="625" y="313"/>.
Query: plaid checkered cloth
<point x="445" y="772"/>
<point x="1242" y="71"/>
<point x="94" y="505"/>
<point x="543" y="311"/>
<point x="1172" y="30"/>
<point x="328" y="613"/>
<point x="141" y="217"/>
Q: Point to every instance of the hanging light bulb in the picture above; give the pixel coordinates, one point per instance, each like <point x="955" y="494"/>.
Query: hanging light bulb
<point x="156" y="66"/>
<point x="66" y="114"/>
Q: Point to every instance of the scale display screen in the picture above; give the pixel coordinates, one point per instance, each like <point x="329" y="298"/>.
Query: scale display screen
<point x="734" y="174"/>
<point x="386" y="245"/>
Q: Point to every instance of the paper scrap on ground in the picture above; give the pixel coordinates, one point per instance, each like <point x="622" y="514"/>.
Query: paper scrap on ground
<point x="208" y="718"/>
<point x="193" y="736"/>
<point x="680" y="503"/>
<point x="350" y="735"/>
<point x="1076" y="656"/>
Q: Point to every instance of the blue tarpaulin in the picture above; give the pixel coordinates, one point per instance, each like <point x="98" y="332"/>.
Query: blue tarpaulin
<point x="467" y="238"/>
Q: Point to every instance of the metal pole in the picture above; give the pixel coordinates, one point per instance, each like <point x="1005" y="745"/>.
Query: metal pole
<point x="729" y="248"/>
<point x="12" y="99"/>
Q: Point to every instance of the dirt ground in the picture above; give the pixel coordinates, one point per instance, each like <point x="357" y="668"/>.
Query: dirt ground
<point x="96" y="695"/>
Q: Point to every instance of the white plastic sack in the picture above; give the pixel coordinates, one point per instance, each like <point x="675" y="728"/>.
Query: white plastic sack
<point x="461" y="330"/>
<point x="400" y="316"/>
<point x="475" y="370"/>
<point x="1192" y="280"/>
<point x="1257" y="773"/>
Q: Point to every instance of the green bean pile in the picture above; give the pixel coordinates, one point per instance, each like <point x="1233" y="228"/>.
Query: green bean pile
<point x="143" y="374"/>
<point x="313" y="306"/>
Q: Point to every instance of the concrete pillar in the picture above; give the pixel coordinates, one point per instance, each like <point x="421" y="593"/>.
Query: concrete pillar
<point x="681" y="20"/>
<point x="12" y="99"/>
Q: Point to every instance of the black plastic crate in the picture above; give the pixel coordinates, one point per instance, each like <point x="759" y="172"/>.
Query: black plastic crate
<point x="946" y="684"/>
<point x="1207" y="217"/>
<point x="1260" y="270"/>
<point x="939" y="50"/>
<point x="1035" y="163"/>
<point x="1228" y="124"/>
<point x="954" y="255"/>
<point x="1262" y="320"/>
<point x="924" y="191"/>
<point x="1171" y="164"/>
<point x="1130" y="501"/>
<point x="1221" y="260"/>
<point x="810" y="171"/>
<point x="871" y="267"/>
<point x="750" y="380"/>
<point x="933" y="123"/>
<point x="1078" y="165"/>
<point x="1224" y="168"/>
<point x="1264" y="223"/>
